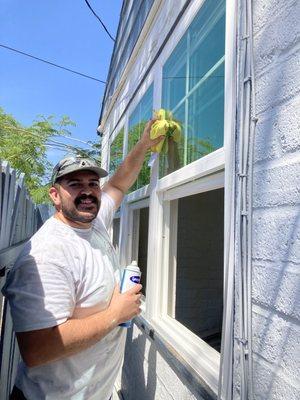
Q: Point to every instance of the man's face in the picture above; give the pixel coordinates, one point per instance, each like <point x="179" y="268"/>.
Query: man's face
<point x="78" y="196"/>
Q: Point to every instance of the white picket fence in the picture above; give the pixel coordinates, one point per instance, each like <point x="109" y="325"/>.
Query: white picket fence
<point x="19" y="220"/>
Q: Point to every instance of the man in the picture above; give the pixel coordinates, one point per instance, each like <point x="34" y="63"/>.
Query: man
<point x="63" y="290"/>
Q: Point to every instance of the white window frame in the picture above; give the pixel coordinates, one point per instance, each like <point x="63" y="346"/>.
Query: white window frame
<point x="204" y="174"/>
<point x="134" y="225"/>
<point x="202" y="357"/>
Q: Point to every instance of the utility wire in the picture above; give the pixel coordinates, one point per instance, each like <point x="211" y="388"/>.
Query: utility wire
<point x="99" y="19"/>
<point x="51" y="63"/>
<point x="35" y="133"/>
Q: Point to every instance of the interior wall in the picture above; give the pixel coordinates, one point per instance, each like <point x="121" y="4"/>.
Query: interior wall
<point x="143" y="245"/>
<point x="116" y="232"/>
<point x="199" y="276"/>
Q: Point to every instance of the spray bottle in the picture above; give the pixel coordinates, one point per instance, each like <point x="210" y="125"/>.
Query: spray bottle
<point x="131" y="276"/>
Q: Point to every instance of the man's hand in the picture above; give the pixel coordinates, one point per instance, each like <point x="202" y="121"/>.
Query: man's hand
<point x="125" y="306"/>
<point x="128" y="172"/>
<point x="145" y="138"/>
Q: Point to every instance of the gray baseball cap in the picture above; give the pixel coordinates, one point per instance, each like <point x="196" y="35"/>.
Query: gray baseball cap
<point x="72" y="164"/>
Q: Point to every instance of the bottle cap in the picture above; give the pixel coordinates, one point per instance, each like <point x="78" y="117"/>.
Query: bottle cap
<point x="133" y="266"/>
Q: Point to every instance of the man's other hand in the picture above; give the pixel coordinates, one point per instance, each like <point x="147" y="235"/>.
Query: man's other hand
<point x="125" y="306"/>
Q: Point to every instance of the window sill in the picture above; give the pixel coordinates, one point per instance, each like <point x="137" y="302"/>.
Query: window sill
<point x="138" y="194"/>
<point x="185" y="356"/>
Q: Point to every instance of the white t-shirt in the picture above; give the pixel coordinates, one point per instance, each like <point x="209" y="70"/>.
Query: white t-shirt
<point x="65" y="272"/>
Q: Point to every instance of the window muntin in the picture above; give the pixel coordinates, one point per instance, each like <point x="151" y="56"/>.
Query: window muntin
<point x="137" y="122"/>
<point x="116" y="152"/>
<point x="193" y="87"/>
<point x="196" y="264"/>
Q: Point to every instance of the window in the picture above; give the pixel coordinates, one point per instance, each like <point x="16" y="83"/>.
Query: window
<point x="193" y="88"/>
<point x="137" y="122"/>
<point x="116" y="152"/>
<point x="139" y="244"/>
<point x="116" y="233"/>
<point x="188" y="281"/>
<point x="184" y="225"/>
<point x="196" y="264"/>
<point x="185" y="288"/>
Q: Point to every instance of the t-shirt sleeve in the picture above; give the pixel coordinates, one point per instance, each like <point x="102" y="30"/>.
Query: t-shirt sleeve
<point x="107" y="210"/>
<point x="40" y="295"/>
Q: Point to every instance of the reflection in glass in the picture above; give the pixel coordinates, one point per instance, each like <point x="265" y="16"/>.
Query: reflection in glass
<point x="137" y="122"/>
<point x="174" y="159"/>
<point x="193" y="87"/>
<point x="116" y="152"/>
<point x="205" y="115"/>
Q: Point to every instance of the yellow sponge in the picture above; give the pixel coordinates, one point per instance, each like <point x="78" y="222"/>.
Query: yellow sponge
<point x="164" y="126"/>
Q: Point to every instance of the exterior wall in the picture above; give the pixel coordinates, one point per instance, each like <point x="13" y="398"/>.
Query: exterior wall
<point x="276" y="203"/>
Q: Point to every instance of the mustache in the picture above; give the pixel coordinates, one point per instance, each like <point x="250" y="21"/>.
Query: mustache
<point x="86" y="197"/>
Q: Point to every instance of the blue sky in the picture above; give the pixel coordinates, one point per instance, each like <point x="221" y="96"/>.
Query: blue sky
<point x="64" y="32"/>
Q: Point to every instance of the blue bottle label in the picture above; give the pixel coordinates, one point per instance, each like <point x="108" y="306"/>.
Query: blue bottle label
<point x="135" y="279"/>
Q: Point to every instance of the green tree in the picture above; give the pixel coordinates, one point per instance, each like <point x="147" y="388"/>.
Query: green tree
<point x="133" y="137"/>
<point x="25" y="148"/>
<point x="116" y="152"/>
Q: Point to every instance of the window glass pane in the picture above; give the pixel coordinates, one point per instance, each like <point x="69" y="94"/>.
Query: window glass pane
<point x="206" y="116"/>
<point x="198" y="298"/>
<point x="140" y="242"/>
<point x="206" y="40"/>
<point x="175" y="157"/>
<point x="137" y="122"/>
<point x="143" y="245"/>
<point x="174" y="76"/>
<point x="193" y="87"/>
<point x="116" y="232"/>
<point x="116" y="152"/>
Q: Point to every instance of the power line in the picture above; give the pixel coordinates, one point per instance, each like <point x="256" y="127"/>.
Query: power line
<point x="51" y="63"/>
<point x="106" y="30"/>
<point x="54" y="144"/>
<point x="35" y="133"/>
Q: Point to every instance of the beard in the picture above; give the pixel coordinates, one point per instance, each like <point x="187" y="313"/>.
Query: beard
<point x="84" y="209"/>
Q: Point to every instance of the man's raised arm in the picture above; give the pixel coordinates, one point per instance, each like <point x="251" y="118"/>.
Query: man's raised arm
<point x="128" y="171"/>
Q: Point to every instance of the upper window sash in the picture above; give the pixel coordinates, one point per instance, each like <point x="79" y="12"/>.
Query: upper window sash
<point x="197" y="102"/>
<point x="204" y="166"/>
